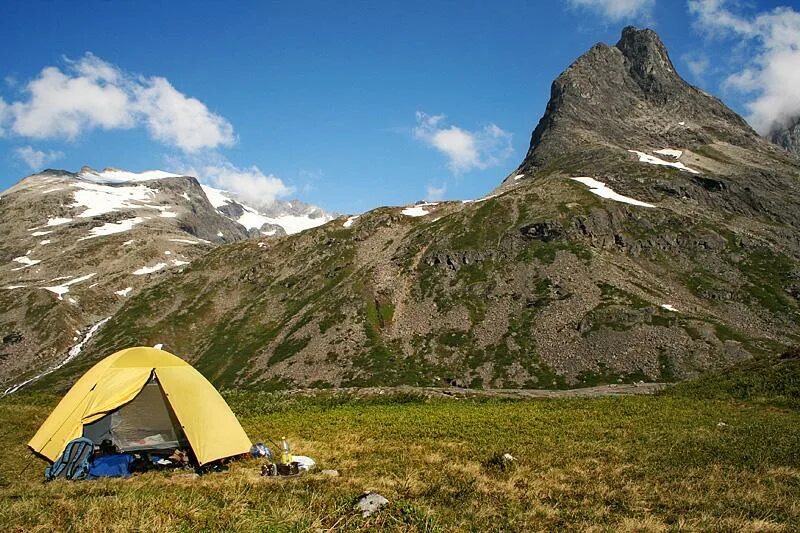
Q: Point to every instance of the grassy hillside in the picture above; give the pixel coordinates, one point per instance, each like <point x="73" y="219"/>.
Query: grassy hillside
<point x="674" y="461"/>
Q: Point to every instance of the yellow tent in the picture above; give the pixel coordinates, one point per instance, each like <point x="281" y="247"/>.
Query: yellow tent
<point x="144" y="399"/>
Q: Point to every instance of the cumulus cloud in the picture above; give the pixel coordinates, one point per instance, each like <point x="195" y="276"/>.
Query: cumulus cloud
<point x="616" y="10"/>
<point x="250" y="183"/>
<point x="93" y="94"/>
<point x="434" y="194"/>
<point x="465" y="150"/>
<point x="36" y="159"/>
<point x="771" y="78"/>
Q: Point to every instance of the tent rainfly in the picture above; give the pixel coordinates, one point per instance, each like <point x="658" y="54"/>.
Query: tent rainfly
<point x="144" y="399"/>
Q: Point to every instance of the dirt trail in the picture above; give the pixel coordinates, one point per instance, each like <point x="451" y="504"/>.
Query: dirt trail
<point x="456" y="392"/>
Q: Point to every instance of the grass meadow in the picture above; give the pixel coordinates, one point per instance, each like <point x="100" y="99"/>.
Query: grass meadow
<point x="677" y="461"/>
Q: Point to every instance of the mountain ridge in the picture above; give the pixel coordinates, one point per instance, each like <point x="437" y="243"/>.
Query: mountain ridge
<point x="649" y="234"/>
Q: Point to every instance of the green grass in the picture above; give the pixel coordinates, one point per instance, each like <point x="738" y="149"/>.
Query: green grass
<point x="625" y="463"/>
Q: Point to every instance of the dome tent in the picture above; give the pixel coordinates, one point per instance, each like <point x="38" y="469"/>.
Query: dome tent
<point x="144" y="399"/>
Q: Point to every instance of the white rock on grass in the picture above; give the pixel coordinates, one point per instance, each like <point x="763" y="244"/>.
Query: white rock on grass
<point x="370" y="503"/>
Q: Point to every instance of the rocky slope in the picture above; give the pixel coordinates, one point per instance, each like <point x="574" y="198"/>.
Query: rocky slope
<point x="648" y="234"/>
<point x="787" y="136"/>
<point x="77" y="245"/>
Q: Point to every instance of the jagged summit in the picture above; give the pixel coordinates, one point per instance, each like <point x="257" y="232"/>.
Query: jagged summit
<point x="629" y="96"/>
<point x="787" y="136"/>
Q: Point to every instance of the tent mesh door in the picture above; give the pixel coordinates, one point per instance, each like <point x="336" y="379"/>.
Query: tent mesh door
<point x="145" y="423"/>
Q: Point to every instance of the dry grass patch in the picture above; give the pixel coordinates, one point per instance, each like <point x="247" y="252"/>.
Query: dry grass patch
<point x="628" y="464"/>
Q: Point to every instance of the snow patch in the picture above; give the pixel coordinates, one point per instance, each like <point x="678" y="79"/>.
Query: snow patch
<point x="40" y="233"/>
<point x="72" y="354"/>
<point x="63" y="289"/>
<point x="653" y="160"/>
<point x="669" y="152"/>
<point x="9" y="287"/>
<point x="602" y="190"/>
<point x="124" y="292"/>
<point x="480" y="199"/>
<point x="27" y="261"/>
<point x="57" y="221"/>
<point x="43" y="242"/>
<point x="187" y="241"/>
<point x="519" y="177"/>
<point x="99" y="199"/>
<point x="110" y="228"/>
<point x="178" y="262"/>
<point x="681" y="123"/>
<point x="669" y="307"/>
<point x="418" y="210"/>
<point x="215" y="197"/>
<point x="113" y="175"/>
<point x="149" y="269"/>
<point x="349" y="221"/>
<point x="126" y="243"/>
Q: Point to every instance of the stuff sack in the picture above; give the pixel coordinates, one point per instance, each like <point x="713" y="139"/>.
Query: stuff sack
<point x="114" y="465"/>
<point x="74" y="462"/>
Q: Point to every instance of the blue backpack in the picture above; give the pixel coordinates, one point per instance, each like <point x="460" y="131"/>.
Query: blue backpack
<point x="75" y="461"/>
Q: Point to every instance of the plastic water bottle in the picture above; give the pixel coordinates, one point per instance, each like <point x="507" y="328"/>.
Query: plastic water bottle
<point x="286" y="454"/>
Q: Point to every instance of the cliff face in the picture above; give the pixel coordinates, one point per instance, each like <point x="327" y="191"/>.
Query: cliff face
<point x="788" y="136"/>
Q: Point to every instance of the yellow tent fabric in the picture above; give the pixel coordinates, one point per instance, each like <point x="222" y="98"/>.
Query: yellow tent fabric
<point x="208" y="423"/>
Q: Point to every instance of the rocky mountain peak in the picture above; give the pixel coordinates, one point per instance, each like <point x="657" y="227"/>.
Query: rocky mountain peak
<point x="787" y="136"/>
<point x="647" y="60"/>
<point x="629" y="96"/>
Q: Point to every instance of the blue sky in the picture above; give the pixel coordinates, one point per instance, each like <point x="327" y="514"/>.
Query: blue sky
<point x="349" y="105"/>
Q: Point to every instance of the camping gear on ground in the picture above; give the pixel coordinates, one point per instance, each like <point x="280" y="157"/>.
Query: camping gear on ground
<point x="286" y="453"/>
<point x="260" y="450"/>
<point x="144" y="400"/>
<point x="74" y="463"/>
<point x="114" y="465"/>
<point x="289" y="465"/>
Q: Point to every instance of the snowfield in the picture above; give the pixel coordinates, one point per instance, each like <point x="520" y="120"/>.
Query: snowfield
<point x="110" y="228"/>
<point x="604" y="191"/>
<point x="653" y="160"/>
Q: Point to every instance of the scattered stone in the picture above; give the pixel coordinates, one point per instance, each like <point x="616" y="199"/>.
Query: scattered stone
<point x="369" y="503"/>
<point x="330" y="473"/>
<point x="721" y="424"/>
<point x="502" y="462"/>
<point x="12" y="338"/>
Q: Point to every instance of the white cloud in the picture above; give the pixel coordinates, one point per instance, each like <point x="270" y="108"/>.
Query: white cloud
<point x="771" y="78"/>
<point x="698" y="64"/>
<point x="465" y="150"/>
<point x="616" y="10"/>
<point x="36" y="159"/>
<point x="178" y="120"/>
<point x="91" y="93"/>
<point x="434" y="194"/>
<point x="250" y="183"/>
